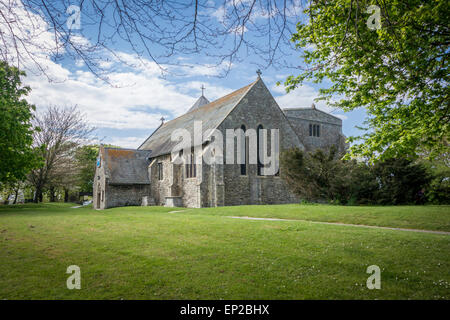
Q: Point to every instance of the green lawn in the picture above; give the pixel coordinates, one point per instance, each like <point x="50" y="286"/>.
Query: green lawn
<point x="149" y="253"/>
<point x="413" y="217"/>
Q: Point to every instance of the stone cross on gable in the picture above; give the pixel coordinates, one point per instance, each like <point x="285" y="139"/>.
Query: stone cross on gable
<point x="258" y="72"/>
<point x="162" y="120"/>
<point x="203" y="88"/>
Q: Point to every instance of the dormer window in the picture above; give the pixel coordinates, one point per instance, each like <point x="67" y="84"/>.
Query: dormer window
<point x="314" y="130"/>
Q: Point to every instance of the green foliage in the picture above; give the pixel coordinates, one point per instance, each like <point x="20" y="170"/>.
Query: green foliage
<point x="86" y="161"/>
<point x="439" y="189"/>
<point x="316" y="171"/>
<point x="324" y="177"/>
<point x="399" y="72"/>
<point x="17" y="156"/>
<point x="400" y="181"/>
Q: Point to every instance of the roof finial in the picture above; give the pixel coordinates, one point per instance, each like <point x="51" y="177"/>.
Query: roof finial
<point x="203" y="88"/>
<point x="162" y="120"/>
<point x="258" y="72"/>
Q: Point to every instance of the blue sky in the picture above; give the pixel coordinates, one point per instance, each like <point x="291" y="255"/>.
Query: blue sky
<point x="126" y="113"/>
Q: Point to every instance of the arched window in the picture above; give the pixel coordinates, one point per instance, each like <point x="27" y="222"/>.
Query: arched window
<point x="244" y="142"/>
<point x="259" y="147"/>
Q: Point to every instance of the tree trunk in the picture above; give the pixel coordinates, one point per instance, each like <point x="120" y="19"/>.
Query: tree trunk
<point x="16" y="195"/>
<point x="7" y="198"/>
<point x="52" y="194"/>
<point x="38" y="195"/>
<point x="66" y="195"/>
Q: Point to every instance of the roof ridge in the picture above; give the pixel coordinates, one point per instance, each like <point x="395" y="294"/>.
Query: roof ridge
<point x="215" y="112"/>
<point x="225" y="96"/>
<point x="316" y="109"/>
<point x="247" y="89"/>
<point x="160" y="125"/>
<point x="119" y="148"/>
<point x="215" y="101"/>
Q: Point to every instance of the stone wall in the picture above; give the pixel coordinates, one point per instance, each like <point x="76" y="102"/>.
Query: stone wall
<point x="175" y="183"/>
<point x="330" y="128"/>
<point x="99" y="195"/>
<point x="125" y="195"/>
<point x="115" y="195"/>
<point x="191" y="193"/>
<point x="257" y="108"/>
<point x="160" y="188"/>
<point x="218" y="185"/>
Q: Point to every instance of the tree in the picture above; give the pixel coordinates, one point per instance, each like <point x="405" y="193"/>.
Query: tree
<point x="86" y="157"/>
<point x="323" y="176"/>
<point x="397" y="70"/>
<point x="400" y="180"/>
<point x="438" y="191"/>
<point x="224" y="32"/>
<point x="17" y="156"/>
<point x="311" y="175"/>
<point x="62" y="130"/>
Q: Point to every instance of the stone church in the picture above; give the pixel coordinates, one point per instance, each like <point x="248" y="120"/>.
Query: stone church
<point x="148" y="176"/>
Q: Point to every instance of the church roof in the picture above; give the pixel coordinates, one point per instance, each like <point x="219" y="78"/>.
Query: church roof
<point x="200" y="102"/>
<point x="211" y="115"/>
<point x="126" y="166"/>
<point x="312" y="114"/>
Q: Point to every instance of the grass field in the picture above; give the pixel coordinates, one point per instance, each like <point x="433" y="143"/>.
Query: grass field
<point x="149" y="253"/>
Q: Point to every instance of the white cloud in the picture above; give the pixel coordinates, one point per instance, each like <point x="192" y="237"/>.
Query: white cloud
<point x="212" y="92"/>
<point x="137" y="99"/>
<point x="126" y="142"/>
<point x="137" y="104"/>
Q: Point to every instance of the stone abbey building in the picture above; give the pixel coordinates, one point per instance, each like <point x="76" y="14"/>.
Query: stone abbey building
<point x="148" y="176"/>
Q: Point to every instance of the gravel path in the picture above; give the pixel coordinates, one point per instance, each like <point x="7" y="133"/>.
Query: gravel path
<point x="344" y="224"/>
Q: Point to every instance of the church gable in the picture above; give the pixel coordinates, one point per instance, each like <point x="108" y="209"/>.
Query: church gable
<point x="211" y="115"/>
<point x="258" y="107"/>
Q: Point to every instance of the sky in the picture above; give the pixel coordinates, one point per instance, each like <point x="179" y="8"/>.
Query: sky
<point x="126" y="113"/>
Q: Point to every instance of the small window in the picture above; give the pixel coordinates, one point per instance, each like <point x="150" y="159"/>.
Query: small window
<point x="103" y="195"/>
<point x="314" y="130"/>
<point x="191" y="169"/>
<point x="259" y="147"/>
<point x="244" y="165"/>
<point x="160" y="171"/>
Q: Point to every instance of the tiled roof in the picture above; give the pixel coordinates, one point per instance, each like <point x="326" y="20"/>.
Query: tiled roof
<point x="126" y="166"/>
<point x="211" y="115"/>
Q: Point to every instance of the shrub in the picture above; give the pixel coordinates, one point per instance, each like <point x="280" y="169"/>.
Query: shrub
<point x="320" y="176"/>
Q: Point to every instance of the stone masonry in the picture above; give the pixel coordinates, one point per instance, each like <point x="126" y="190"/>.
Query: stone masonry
<point x="148" y="176"/>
